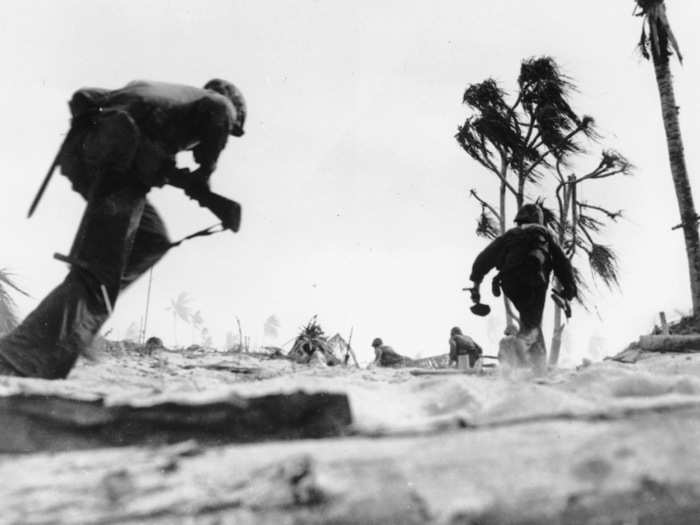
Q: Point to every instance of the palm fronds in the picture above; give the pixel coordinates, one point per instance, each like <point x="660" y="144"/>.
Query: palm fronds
<point x="310" y="340"/>
<point x="487" y="226"/>
<point x="550" y="219"/>
<point x="271" y="326"/>
<point x="657" y="39"/>
<point x="180" y="307"/>
<point x="614" y="160"/>
<point x="8" y="314"/>
<point x="582" y="289"/>
<point x="543" y="84"/>
<point x="603" y="262"/>
<point x="491" y="126"/>
<point x="485" y="96"/>
<point x="590" y="223"/>
<point x="545" y="92"/>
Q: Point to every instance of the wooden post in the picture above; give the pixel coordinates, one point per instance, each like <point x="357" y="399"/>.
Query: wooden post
<point x="664" y="324"/>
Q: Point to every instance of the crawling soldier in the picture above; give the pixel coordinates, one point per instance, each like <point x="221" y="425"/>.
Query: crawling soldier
<point x="121" y="143"/>
<point x="525" y="256"/>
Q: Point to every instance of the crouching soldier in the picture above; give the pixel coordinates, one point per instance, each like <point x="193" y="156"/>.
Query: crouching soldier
<point x="525" y="256"/>
<point x="121" y="143"/>
<point x="463" y="345"/>
<point x="384" y="355"/>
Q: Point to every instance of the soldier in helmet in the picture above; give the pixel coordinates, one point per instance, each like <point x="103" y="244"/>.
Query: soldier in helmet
<point x="461" y="344"/>
<point x="525" y="256"/>
<point x="121" y="143"/>
<point x="384" y="355"/>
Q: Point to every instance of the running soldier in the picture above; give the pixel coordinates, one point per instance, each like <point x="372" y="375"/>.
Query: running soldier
<point x="525" y="256"/>
<point x="121" y="144"/>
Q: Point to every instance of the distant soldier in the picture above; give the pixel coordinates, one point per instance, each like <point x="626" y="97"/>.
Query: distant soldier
<point x="525" y="256"/>
<point x="121" y="143"/>
<point x="384" y="355"/>
<point x="461" y="344"/>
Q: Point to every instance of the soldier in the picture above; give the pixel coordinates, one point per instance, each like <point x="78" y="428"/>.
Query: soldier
<point x="384" y="355"/>
<point x="461" y="344"/>
<point x="121" y="143"/>
<point x="525" y="257"/>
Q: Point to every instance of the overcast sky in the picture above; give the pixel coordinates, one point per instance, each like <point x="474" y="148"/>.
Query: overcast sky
<point x="354" y="191"/>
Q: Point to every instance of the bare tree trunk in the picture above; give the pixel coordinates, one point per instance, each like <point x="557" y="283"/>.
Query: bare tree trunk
<point x="679" y="174"/>
<point x="240" y="335"/>
<point x="520" y="197"/>
<point x="558" y="330"/>
<point x="148" y="303"/>
<point x="175" y="328"/>
<point x="510" y="324"/>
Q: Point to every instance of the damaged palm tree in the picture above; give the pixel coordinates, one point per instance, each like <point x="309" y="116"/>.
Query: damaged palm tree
<point x="659" y="43"/>
<point x="529" y="142"/>
<point x="577" y="225"/>
<point x="518" y="141"/>
<point x="312" y="345"/>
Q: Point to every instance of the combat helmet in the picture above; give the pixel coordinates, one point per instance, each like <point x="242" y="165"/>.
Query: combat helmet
<point x="377" y="342"/>
<point x="231" y="92"/>
<point x="529" y="214"/>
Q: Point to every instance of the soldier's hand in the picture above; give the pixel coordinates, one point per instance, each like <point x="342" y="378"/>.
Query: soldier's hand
<point x="198" y="188"/>
<point x="569" y="294"/>
<point x="475" y="295"/>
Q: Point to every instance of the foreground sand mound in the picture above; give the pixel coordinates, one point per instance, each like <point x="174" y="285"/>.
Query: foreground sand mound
<point x="612" y="442"/>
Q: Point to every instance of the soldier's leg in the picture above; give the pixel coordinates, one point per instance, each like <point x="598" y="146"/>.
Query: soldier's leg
<point x="531" y="310"/>
<point x="529" y="301"/>
<point x="48" y="342"/>
<point x="150" y="245"/>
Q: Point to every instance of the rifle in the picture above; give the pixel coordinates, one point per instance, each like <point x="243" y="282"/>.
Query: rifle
<point x="49" y="173"/>
<point x="226" y="210"/>
<point x="350" y="350"/>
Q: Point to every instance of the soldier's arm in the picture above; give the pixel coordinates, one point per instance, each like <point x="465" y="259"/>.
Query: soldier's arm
<point x="377" y="357"/>
<point x="563" y="270"/>
<point x="212" y="123"/>
<point x="487" y="259"/>
<point x="453" y="350"/>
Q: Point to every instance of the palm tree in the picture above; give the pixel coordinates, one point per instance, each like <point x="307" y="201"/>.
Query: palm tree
<point x="8" y="315"/>
<point x="577" y="223"/>
<point x="180" y="308"/>
<point x="271" y="327"/>
<point x="197" y="322"/>
<point x="659" y="43"/>
<point x="524" y="142"/>
<point x="518" y="141"/>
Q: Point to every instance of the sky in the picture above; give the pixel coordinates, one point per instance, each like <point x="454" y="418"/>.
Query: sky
<point x="354" y="191"/>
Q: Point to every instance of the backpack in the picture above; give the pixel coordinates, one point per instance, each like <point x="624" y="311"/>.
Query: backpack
<point x="527" y="252"/>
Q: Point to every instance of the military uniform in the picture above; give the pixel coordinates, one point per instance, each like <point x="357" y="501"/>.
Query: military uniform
<point x="386" y="355"/>
<point x="121" y="143"/>
<point x="525" y="257"/>
<point x="461" y="344"/>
